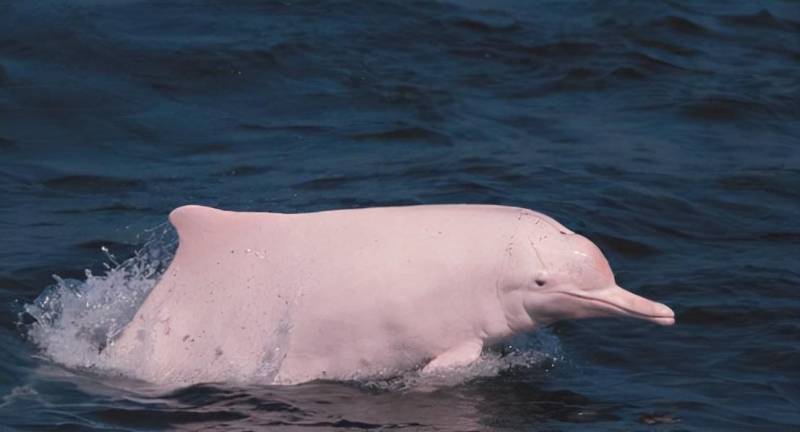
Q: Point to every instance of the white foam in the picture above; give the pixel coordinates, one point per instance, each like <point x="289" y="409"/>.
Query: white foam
<point x="540" y="349"/>
<point x="76" y="319"/>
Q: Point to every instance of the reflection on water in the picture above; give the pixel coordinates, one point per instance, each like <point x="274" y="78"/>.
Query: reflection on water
<point x="512" y="400"/>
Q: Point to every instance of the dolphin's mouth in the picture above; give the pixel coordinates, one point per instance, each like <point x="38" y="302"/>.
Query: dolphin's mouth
<point x="661" y="314"/>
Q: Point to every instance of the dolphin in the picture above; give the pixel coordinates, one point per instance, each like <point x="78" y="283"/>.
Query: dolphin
<point x="344" y="294"/>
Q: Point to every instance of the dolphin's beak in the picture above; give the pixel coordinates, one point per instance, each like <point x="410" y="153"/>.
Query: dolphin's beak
<point x="619" y="301"/>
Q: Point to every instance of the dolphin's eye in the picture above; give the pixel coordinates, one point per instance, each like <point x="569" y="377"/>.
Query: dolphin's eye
<point x="540" y="281"/>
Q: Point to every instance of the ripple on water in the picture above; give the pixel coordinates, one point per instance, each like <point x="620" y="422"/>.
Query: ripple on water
<point x="93" y="184"/>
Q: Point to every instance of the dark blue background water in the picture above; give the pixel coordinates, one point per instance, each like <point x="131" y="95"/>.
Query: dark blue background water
<point x="666" y="131"/>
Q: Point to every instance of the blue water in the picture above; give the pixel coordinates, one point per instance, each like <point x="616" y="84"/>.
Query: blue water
<point x="665" y="131"/>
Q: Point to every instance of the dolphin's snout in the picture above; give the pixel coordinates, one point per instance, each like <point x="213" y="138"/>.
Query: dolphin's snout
<point x="664" y="315"/>
<point x="636" y="306"/>
<point x="617" y="301"/>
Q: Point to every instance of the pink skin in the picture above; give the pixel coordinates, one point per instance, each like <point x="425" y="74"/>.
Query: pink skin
<point x="367" y="292"/>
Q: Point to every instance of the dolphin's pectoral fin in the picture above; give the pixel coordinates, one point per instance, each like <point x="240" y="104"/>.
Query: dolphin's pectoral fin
<point x="458" y="356"/>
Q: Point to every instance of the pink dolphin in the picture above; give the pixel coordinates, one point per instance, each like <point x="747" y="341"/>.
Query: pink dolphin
<point x="288" y="298"/>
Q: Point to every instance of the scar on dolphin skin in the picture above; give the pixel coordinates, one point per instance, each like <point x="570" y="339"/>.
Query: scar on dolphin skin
<point x="536" y="250"/>
<point x="510" y="247"/>
<point x="528" y="213"/>
<point x="539" y="218"/>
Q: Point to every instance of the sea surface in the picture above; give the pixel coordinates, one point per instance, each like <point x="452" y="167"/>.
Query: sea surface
<point x="665" y="131"/>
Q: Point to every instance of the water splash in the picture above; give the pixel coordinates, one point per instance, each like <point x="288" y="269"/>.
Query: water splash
<point x="74" y="320"/>
<point x="538" y="350"/>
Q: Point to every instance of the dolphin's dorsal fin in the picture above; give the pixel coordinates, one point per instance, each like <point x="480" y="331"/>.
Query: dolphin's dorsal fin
<point x="193" y="221"/>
